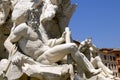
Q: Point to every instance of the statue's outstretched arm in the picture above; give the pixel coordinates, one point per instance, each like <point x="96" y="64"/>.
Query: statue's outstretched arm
<point x="53" y="42"/>
<point x="65" y="36"/>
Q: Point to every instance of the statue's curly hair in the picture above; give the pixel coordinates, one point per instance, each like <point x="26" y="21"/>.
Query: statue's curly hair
<point x="33" y="16"/>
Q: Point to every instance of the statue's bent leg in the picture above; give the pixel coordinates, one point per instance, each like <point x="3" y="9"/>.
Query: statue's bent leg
<point x="60" y="51"/>
<point x="102" y="66"/>
<point x="56" y="53"/>
<point x="85" y="64"/>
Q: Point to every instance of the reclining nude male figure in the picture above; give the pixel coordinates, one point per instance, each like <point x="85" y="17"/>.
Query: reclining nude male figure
<point x="30" y="42"/>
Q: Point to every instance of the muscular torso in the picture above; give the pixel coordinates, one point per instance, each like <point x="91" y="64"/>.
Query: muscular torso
<point x="31" y="44"/>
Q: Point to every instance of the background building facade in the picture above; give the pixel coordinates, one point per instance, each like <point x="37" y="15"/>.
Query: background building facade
<point x="111" y="58"/>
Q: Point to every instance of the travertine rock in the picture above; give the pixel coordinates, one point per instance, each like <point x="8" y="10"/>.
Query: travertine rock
<point x="20" y="8"/>
<point x="5" y="25"/>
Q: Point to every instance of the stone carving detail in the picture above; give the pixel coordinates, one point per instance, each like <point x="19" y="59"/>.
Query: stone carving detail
<point x="39" y="41"/>
<point x="90" y="52"/>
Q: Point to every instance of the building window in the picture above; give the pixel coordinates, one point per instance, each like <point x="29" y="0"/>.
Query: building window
<point x="109" y="66"/>
<point x="114" y="58"/>
<point x="119" y="70"/>
<point x="110" y="58"/>
<point x="117" y="55"/>
<point x="105" y="57"/>
<point x="114" y="66"/>
<point x="116" y="74"/>
<point x="118" y="62"/>
<point x="105" y="64"/>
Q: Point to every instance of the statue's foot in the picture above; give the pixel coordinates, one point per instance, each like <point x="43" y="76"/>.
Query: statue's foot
<point x="109" y="71"/>
<point x="111" y="76"/>
<point x="93" y="72"/>
<point x="117" y="78"/>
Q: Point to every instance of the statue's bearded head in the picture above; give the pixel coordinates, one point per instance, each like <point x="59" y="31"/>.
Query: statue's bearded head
<point x="4" y="10"/>
<point x="33" y="18"/>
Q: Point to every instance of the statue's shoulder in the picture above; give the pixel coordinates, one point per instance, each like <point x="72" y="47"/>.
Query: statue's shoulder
<point x="23" y="27"/>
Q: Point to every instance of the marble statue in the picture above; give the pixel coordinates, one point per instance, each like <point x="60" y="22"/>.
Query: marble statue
<point x="91" y="52"/>
<point x="28" y="38"/>
<point x="39" y="40"/>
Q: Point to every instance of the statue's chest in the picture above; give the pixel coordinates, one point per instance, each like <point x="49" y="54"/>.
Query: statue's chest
<point x="33" y="35"/>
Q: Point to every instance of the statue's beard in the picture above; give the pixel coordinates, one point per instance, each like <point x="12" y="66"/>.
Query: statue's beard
<point x="33" y="18"/>
<point x="34" y="25"/>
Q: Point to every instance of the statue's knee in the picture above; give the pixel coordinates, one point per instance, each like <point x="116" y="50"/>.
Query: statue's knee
<point x="73" y="47"/>
<point x="97" y="58"/>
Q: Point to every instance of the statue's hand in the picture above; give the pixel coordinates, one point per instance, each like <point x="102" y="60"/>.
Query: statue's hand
<point x="63" y="35"/>
<point x="16" y="60"/>
<point x="16" y="57"/>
